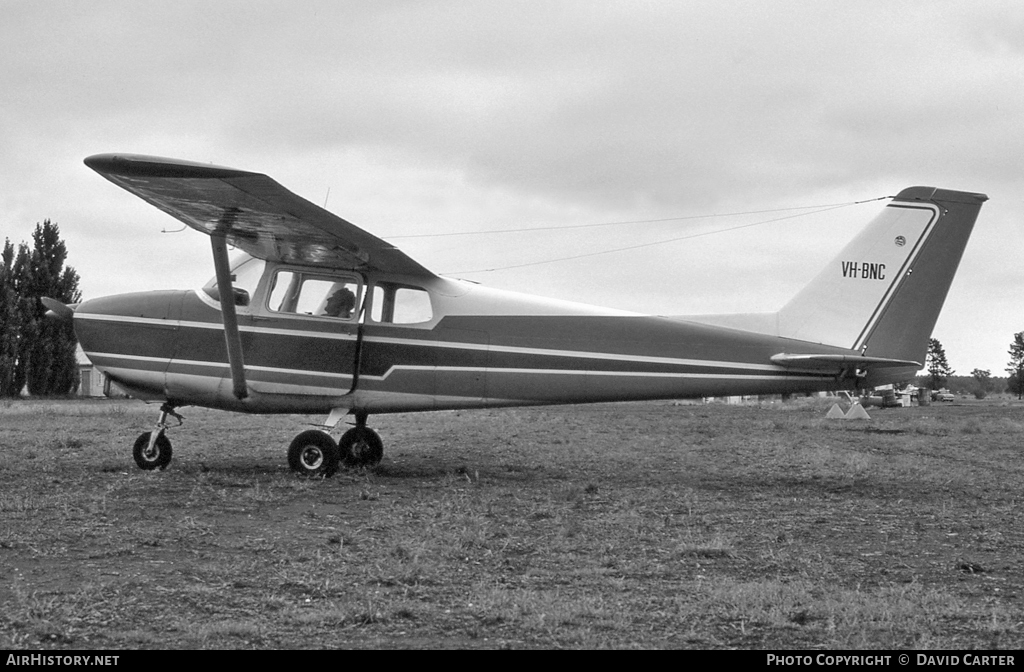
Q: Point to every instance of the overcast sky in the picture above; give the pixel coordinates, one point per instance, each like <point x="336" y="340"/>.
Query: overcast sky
<point x="429" y="117"/>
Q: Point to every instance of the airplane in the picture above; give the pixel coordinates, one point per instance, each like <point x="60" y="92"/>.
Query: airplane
<point x="319" y="316"/>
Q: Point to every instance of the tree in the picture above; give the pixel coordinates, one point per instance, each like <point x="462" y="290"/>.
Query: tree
<point x="10" y="322"/>
<point x="14" y="279"/>
<point x="51" y="365"/>
<point x="1015" y="385"/>
<point x="936" y="364"/>
<point x="1016" y="365"/>
<point x="984" y="378"/>
<point x="34" y="350"/>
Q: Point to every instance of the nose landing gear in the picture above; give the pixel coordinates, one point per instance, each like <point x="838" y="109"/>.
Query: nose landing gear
<point x="152" y="450"/>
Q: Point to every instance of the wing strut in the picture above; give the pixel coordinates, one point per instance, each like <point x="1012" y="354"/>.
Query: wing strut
<point x="227" y="306"/>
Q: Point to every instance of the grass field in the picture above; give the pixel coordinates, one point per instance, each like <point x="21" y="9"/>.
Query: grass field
<point x="615" y="525"/>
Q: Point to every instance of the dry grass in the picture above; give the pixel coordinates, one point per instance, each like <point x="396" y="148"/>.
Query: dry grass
<point x="619" y="526"/>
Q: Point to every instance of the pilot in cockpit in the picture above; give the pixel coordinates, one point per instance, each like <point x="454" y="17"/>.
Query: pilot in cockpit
<point x="341" y="303"/>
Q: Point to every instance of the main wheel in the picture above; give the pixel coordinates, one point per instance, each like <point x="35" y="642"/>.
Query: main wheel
<point x="147" y="459"/>
<point x="313" y="453"/>
<point x="361" y="447"/>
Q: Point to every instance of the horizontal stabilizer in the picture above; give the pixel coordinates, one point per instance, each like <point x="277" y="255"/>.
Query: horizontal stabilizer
<point x="830" y="362"/>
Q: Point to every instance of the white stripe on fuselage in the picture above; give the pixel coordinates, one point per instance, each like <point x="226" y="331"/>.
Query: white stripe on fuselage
<point x="461" y="369"/>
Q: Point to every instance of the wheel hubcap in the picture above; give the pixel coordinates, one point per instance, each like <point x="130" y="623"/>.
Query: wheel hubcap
<point x="312" y="457"/>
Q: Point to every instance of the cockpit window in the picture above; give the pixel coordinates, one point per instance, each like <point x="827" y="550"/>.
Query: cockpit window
<point x="310" y="294"/>
<point x="400" y="304"/>
<point x="245" y="276"/>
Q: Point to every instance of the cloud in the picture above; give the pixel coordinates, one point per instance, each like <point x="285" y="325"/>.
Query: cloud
<point x="442" y="116"/>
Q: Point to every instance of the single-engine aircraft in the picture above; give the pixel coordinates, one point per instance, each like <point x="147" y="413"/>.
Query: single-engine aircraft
<point x="322" y="317"/>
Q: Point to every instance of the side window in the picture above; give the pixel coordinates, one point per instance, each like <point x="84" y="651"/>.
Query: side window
<point x="400" y="304"/>
<point x="319" y="295"/>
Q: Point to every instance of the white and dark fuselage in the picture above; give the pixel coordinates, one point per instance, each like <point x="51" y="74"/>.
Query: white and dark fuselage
<point x="480" y="347"/>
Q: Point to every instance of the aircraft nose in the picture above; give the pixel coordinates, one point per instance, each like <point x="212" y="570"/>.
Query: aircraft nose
<point x="135" y="324"/>
<point x="130" y="336"/>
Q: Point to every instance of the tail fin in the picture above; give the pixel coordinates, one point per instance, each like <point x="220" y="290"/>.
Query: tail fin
<point x="882" y="295"/>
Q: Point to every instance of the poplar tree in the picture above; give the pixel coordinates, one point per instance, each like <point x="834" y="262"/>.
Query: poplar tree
<point x="10" y="322"/>
<point x="34" y="350"/>
<point x="51" y="363"/>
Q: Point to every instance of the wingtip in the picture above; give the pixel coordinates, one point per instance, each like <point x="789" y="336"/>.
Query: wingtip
<point x="157" y="166"/>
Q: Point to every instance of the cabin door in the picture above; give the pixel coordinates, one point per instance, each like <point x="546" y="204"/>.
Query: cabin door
<point x="304" y="339"/>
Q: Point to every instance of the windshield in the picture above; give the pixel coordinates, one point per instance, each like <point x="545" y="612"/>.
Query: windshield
<point x="246" y="272"/>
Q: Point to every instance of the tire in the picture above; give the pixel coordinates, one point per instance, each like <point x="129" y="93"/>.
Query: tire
<point x="361" y="447"/>
<point x="160" y="457"/>
<point x="313" y="454"/>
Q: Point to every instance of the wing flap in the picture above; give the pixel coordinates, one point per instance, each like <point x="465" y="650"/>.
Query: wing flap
<point x="254" y="213"/>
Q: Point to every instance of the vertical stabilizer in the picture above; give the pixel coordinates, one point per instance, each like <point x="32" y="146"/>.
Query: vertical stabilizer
<point x="883" y="293"/>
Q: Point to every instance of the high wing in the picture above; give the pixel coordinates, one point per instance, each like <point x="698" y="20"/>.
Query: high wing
<point x="254" y="213"/>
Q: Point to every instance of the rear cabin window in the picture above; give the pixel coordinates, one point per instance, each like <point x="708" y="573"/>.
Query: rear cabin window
<point x="318" y="295"/>
<point x="400" y="304"/>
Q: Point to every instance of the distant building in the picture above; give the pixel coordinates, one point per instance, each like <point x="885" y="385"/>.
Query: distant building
<point x="95" y="383"/>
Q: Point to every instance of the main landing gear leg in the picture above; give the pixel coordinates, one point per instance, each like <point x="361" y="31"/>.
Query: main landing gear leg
<point x="361" y="446"/>
<point x="152" y="450"/>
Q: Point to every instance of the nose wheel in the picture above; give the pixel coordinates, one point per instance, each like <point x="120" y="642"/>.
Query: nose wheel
<point x="152" y="453"/>
<point x="152" y="450"/>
